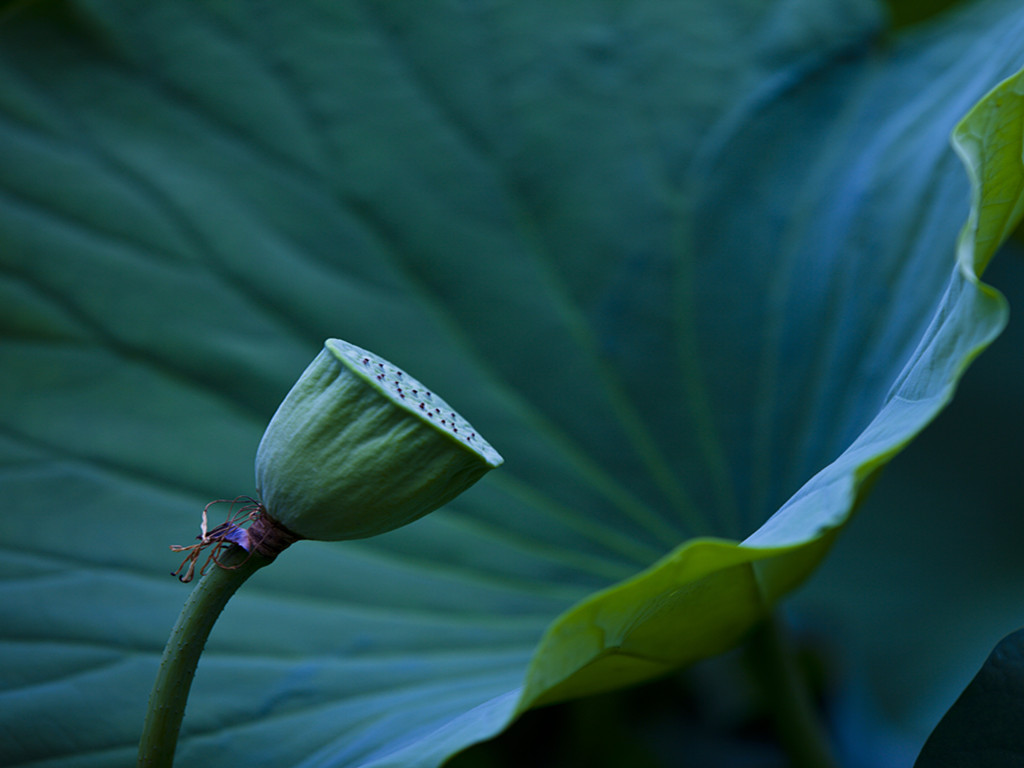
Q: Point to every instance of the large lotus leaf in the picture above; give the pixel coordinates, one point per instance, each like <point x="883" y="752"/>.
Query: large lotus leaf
<point x="690" y="267"/>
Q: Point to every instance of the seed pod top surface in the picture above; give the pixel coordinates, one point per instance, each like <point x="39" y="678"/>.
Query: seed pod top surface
<point x="359" y="447"/>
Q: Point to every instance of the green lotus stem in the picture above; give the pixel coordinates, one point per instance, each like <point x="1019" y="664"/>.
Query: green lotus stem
<point x="182" y="652"/>
<point x="787" y="697"/>
<point x="358" y="447"/>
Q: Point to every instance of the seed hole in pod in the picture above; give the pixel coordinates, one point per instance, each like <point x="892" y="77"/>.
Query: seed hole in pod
<point x="405" y="391"/>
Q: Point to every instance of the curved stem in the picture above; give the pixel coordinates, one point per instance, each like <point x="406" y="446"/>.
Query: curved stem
<point x="787" y="697"/>
<point x="182" y="652"/>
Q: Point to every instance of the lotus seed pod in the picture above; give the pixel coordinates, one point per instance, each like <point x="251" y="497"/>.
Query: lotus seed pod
<point x="359" y="447"/>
